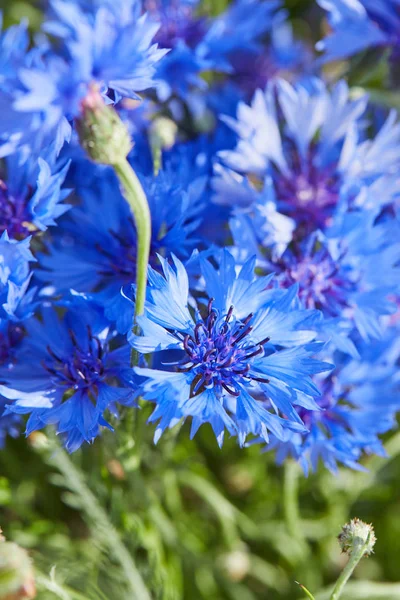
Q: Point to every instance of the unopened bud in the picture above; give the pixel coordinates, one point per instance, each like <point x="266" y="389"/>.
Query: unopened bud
<point x="101" y="132"/>
<point x="356" y="534"/>
<point x="162" y="133"/>
<point x="38" y="440"/>
<point x="16" y="573"/>
<point x="162" y="136"/>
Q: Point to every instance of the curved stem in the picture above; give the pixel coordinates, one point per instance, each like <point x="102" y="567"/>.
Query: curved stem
<point x="355" y="557"/>
<point x="138" y="204"/>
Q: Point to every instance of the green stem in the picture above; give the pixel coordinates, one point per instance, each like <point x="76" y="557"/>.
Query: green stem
<point x="307" y="592"/>
<point x="355" y="557"/>
<point x="103" y="527"/>
<point x="291" y="500"/>
<point x="138" y="204"/>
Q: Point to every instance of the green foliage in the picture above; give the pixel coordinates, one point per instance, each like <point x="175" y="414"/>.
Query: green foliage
<point x="191" y="521"/>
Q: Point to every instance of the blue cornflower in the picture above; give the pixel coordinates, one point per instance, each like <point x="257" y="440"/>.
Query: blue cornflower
<point x="359" y="25"/>
<point x="108" y="46"/>
<point x="358" y="404"/>
<point x="241" y="353"/>
<point x="350" y="274"/>
<point x="31" y="198"/>
<point x="66" y="373"/>
<point x="308" y="140"/>
<point x="200" y="44"/>
<point x="94" y="249"/>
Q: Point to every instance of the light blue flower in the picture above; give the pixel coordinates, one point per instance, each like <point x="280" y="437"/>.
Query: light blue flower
<point x="244" y="360"/>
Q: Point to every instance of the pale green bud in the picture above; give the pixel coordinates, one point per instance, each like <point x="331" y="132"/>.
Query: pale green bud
<point x="101" y="132"/>
<point x="356" y="534"/>
<point x="162" y="133"/>
<point x="162" y="136"/>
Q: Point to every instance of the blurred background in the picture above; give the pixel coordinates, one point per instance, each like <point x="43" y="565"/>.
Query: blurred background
<point x="198" y="522"/>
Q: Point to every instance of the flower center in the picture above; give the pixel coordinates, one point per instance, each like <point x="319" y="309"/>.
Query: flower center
<point x="309" y="194"/>
<point x="83" y="369"/>
<point x="322" y="284"/>
<point x="220" y="353"/>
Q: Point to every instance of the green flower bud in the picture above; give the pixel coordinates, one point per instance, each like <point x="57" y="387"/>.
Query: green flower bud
<point x="162" y="135"/>
<point x="16" y="573"/>
<point x="101" y="132"/>
<point x="356" y="534"/>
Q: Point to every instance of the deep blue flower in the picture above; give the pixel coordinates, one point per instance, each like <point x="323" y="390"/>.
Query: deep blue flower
<point x="359" y="25"/>
<point x="31" y="198"/>
<point x="244" y="355"/>
<point x="357" y="405"/>
<point x="310" y="143"/>
<point x="66" y="373"/>
<point x="200" y="44"/>
<point x="350" y="274"/>
<point x="108" y="46"/>
<point x="94" y="249"/>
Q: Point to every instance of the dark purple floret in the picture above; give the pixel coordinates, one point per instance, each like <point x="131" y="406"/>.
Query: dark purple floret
<point x="309" y="194"/>
<point x="177" y="23"/>
<point x="219" y="352"/>
<point x="323" y="283"/>
<point x="14" y="216"/>
<point x="84" y="367"/>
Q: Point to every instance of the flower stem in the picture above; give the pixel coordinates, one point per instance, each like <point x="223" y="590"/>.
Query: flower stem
<point x="138" y="204"/>
<point x="105" y="530"/>
<point x="291" y="503"/>
<point x="356" y="555"/>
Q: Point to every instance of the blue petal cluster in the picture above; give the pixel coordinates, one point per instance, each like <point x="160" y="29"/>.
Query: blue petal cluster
<point x="273" y="298"/>
<point x="244" y="357"/>
<point x="359" y="25"/>
<point x="107" y="45"/>
<point x="66" y="374"/>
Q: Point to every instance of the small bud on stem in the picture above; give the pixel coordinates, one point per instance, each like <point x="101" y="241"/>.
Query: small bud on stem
<point x="162" y="135"/>
<point x="106" y="140"/>
<point x="357" y="539"/>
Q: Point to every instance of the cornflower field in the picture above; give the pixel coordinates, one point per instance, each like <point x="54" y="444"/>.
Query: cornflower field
<point x="200" y="300"/>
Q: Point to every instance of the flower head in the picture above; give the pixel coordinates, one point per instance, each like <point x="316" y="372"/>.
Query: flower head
<point x="241" y="353"/>
<point x="358" y="404"/>
<point x="108" y="45"/>
<point x="308" y="141"/>
<point x="66" y="374"/>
